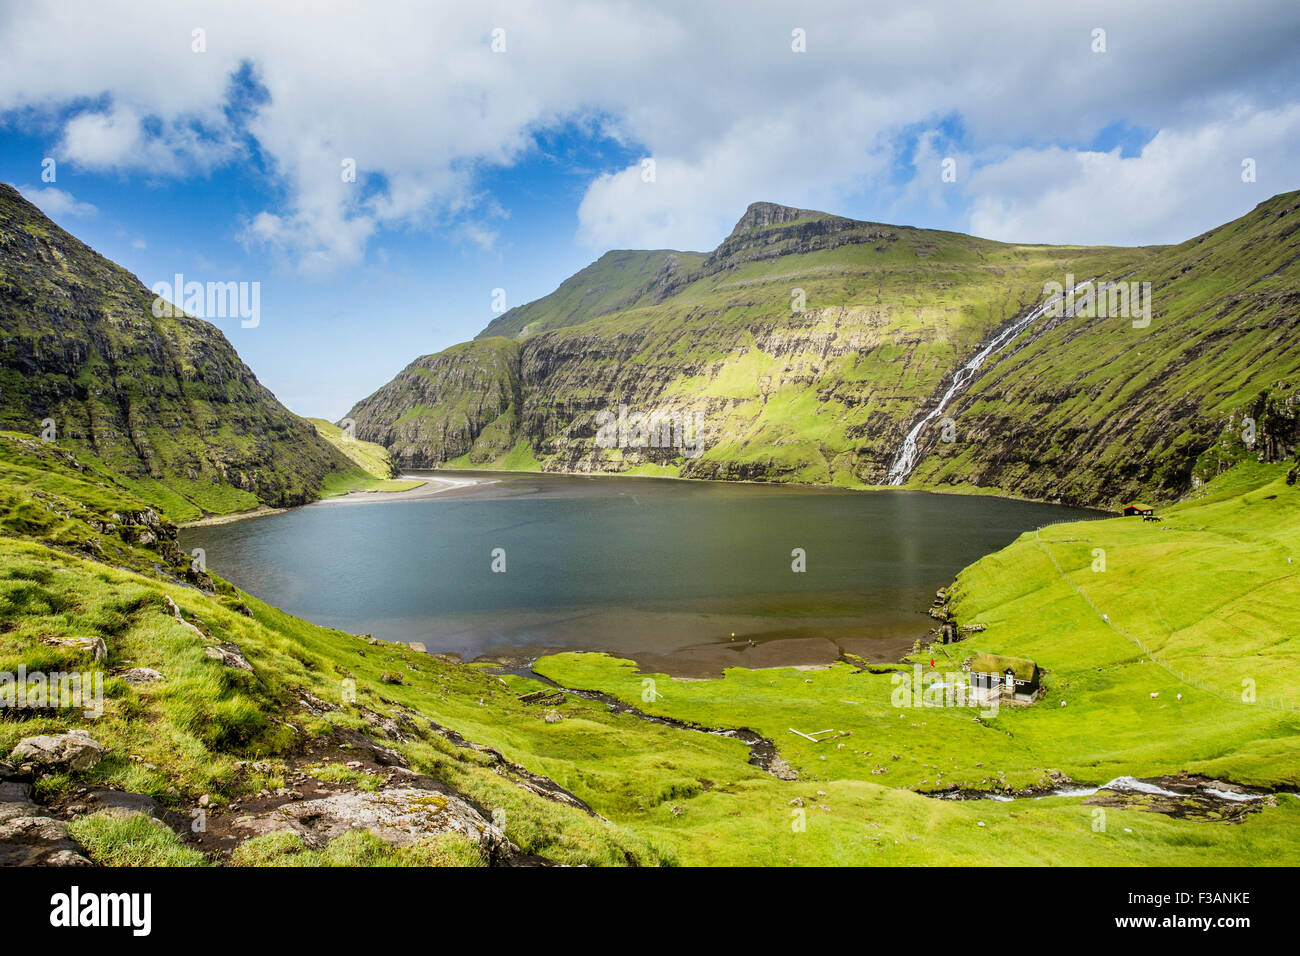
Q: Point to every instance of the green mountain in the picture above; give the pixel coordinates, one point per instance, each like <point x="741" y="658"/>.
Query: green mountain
<point x="164" y="404"/>
<point x="806" y="346"/>
<point x="441" y="405"/>
<point x="803" y="345"/>
<point x="622" y="279"/>
<point x="1093" y="408"/>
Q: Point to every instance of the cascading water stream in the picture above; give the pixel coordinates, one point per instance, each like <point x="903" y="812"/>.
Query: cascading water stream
<point x="905" y="460"/>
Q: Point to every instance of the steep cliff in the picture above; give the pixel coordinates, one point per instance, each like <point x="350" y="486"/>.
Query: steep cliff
<point x="165" y="403"/>
<point x="1103" y="406"/>
<point x="806" y="345"/>
<point x="801" y="348"/>
<point x="439" y="406"/>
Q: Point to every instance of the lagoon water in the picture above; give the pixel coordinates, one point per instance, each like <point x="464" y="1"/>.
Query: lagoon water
<point x="685" y="577"/>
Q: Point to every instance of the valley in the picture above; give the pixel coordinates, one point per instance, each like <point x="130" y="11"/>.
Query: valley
<point x="1159" y="725"/>
<point x="808" y="346"/>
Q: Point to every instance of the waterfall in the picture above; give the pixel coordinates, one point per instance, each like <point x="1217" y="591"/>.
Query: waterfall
<point x="905" y="460"/>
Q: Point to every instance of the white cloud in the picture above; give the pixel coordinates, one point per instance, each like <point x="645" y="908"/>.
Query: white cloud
<point x="102" y="139"/>
<point x="117" y="139"/>
<point x="1181" y="182"/>
<point x="56" y="203"/>
<point x="713" y="92"/>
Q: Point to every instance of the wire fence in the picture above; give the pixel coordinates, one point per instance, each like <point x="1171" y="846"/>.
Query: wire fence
<point x="1279" y="703"/>
<point x="1074" y="521"/>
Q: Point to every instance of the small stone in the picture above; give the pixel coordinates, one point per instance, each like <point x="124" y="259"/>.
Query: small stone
<point x="141" y="675"/>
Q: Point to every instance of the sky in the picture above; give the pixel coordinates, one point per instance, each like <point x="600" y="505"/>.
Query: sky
<point x="388" y="173"/>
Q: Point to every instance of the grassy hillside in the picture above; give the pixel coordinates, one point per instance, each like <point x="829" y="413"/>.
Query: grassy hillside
<point x="163" y="402"/>
<point x="73" y="564"/>
<point x="316" y="703"/>
<point x="805" y="343"/>
<point x="372" y="465"/>
<point x="618" y="280"/>
<point x="1092" y="408"/>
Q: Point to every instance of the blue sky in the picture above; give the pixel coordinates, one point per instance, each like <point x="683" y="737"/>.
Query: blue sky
<point x="326" y="340"/>
<point x="500" y="145"/>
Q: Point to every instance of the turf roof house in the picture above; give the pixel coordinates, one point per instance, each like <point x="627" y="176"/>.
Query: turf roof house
<point x="1014" y="677"/>
<point x="1133" y="510"/>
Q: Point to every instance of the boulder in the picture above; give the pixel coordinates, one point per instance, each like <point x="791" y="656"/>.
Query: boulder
<point x="75" y="751"/>
<point x="30" y="838"/>
<point x="399" y="815"/>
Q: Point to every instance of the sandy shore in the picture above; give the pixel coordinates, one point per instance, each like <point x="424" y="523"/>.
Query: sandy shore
<point x="428" y="487"/>
<point x="230" y="519"/>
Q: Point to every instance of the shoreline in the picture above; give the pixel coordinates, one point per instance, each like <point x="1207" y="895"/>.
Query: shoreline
<point x="209" y="521"/>
<point x="428" y="487"/>
<point x="453" y="485"/>
<point x="422" y="490"/>
<point x="955" y="490"/>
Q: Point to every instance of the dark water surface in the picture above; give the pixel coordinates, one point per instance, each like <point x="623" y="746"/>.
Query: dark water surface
<point x="665" y="572"/>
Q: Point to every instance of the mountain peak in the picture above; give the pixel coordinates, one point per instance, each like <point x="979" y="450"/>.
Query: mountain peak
<point x="761" y="214"/>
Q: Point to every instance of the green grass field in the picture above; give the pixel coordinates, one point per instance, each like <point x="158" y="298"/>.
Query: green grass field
<point x="670" y="795"/>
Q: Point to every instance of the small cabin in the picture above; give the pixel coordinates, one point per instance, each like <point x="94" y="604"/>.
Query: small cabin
<point x="1136" y="510"/>
<point x="1014" y="677"/>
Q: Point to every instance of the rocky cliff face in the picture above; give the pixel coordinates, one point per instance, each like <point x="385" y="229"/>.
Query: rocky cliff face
<point x="163" y="401"/>
<point x="1265" y="430"/>
<point x="1104" y="406"/>
<point x="805" y="346"/>
<point x="440" y="405"/>
<point x="800" y="349"/>
<point x="769" y="231"/>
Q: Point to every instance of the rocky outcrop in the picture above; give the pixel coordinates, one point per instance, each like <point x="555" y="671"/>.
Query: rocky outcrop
<point x="1266" y="430"/>
<point x="75" y="751"/>
<point x="768" y="231"/>
<point x="29" y="836"/>
<point x="229" y="655"/>
<point x="401" y="815"/>
<point x="141" y="675"/>
<point x="92" y="647"/>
